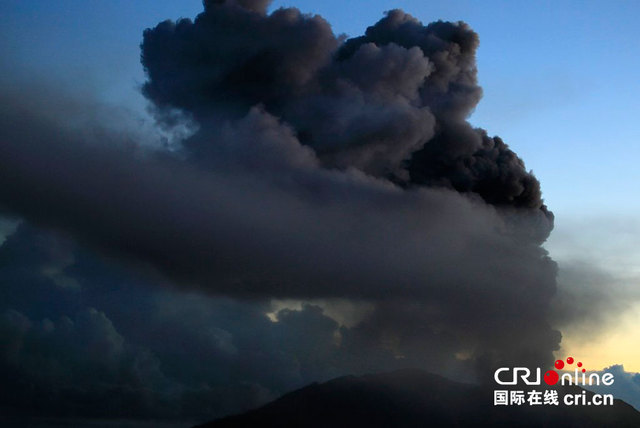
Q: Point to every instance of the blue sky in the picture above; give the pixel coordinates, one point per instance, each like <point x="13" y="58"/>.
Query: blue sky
<point x="560" y="78"/>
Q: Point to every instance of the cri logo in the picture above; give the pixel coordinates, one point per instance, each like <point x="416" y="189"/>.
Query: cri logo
<point x="551" y="377"/>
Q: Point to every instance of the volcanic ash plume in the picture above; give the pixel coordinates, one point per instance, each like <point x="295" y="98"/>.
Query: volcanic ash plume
<point x="321" y="168"/>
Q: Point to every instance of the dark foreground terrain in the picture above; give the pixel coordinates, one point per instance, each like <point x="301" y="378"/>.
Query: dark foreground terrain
<point x="413" y="398"/>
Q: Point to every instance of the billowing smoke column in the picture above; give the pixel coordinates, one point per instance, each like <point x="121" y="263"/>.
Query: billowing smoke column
<point x="392" y="103"/>
<point x="320" y="168"/>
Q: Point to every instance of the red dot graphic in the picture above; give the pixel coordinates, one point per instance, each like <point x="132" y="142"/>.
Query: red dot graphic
<point x="569" y="360"/>
<point x="559" y="364"/>
<point x="584" y="370"/>
<point x="579" y="364"/>
<point x="551" y="377"/>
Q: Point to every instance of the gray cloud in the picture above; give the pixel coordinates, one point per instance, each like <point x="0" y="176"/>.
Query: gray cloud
<point x="597" y="274"/>
<point x="391" y="103"/>
<point x="303" y="231"/>
<point x="626" y="385"/>
<point x="590" y="298"/>
<point x="83" y="352"/>
<point x="320" y="169"/>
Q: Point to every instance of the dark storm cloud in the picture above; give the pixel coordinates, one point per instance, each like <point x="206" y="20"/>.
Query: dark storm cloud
<point x="117" y="346"/>
<point x="320" y="168"/>
<point x="83" y="352"/>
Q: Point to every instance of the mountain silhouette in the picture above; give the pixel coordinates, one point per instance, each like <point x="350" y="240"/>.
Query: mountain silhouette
<point x="415" y="398"/>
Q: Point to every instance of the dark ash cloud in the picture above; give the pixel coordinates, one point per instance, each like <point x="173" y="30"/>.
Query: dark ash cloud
<point x="392" y="103"/>
<point x="321" y="168"/>
<point x="115" y="346"/>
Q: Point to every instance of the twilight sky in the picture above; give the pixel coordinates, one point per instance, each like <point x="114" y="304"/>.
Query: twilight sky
<point x="559" y="86"/>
